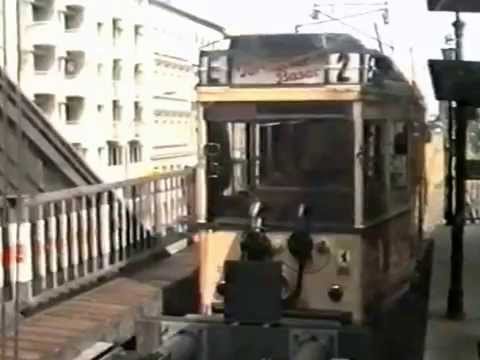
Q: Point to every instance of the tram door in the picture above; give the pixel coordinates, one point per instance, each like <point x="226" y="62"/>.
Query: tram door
<point x="227" y="165"/>
<point x="385" y="164"/>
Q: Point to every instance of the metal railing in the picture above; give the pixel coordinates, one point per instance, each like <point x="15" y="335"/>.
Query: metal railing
<point x="60" y="240"/>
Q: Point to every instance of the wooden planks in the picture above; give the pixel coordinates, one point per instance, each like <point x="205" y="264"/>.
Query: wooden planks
<point x="106" y="313"/>
<point x="176" y="278"/>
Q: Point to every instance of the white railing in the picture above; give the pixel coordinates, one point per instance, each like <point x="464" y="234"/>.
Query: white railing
<point x="54" y="241"/>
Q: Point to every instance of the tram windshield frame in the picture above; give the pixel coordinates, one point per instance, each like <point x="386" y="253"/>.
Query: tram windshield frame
<point x="283" y="160"/>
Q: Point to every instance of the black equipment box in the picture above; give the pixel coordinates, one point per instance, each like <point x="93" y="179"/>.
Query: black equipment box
<point x="253" y="292"/>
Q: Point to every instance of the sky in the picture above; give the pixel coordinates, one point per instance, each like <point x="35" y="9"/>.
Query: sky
<point x="417" y="34"/>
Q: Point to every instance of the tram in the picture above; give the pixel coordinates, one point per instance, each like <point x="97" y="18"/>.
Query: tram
<point x="312" y="243"/>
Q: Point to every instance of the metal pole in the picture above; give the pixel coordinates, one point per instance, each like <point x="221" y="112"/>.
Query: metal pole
<point x="379" y="39"/>
<point x="455" y="295"/>
<point x="449" y="162"/>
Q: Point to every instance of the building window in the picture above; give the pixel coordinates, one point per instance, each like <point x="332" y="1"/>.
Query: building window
<point x="117" y="110"/>
<point x="138" y="73"/>
<point x="99" y="70"/>
<point x="138" y="34"/>
<point x="138" y="111"/>
<point x="100" y="29"/>
<point x="117" y="69"/>
<point x="43" y="57"/>
<point x="115" y="154"/>
<point x="74" y="108"/>
<point x="73" y="17"/>
<point x="100" y="151"/>
<point x="46" y="102"/>
<point x="135" y="151"/>
<point x="74" y="62"/>
<point x="117" y="29"/>
<point x="42" y="11"/>
<point x="398" y="164"/>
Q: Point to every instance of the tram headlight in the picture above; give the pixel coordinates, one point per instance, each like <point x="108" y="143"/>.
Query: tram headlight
<point x="335" y="293"/>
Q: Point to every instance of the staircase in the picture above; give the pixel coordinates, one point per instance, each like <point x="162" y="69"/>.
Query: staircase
<point x="42" y="160"/>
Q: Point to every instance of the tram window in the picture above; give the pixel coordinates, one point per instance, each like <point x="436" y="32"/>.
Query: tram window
<point x="306" y="154"/>
<point x="237" y="134"/>
<point x="374" y="158"/>
<point x="399" y="165"/>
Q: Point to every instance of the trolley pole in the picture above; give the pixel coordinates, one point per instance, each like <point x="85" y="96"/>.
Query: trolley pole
<point x="455" y="295"/>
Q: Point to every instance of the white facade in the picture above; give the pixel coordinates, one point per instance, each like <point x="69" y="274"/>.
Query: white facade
<point x="175" y="69"/>
<point x="115" y="77"/>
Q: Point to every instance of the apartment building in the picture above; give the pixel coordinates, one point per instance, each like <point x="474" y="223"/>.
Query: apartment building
<point x="116" y="78"/>
<point x="175" y="69"/>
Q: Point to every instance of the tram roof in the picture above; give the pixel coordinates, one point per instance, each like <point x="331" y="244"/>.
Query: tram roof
<point x="258" y="49"/>
<point x="290" y="44"/>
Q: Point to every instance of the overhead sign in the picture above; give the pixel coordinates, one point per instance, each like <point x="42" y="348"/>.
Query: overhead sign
<point x="316" y="68"/>
<point x="454" y="5"/>
<point x="456" y="81"/>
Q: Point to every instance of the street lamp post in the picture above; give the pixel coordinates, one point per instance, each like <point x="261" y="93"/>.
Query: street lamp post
<point x="455" y="294"/>
<point x="448" y="54"/>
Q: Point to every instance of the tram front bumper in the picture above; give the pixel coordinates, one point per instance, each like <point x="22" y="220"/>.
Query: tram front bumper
<point x="212" y="339"/>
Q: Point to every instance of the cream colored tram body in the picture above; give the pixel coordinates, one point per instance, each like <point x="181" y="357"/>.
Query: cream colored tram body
<point x="312" y="167"/>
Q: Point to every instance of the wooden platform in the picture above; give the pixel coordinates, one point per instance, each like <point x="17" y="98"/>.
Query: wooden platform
<point x="106" y="313"/>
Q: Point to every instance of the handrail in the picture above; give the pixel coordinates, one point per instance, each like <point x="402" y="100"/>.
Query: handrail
<point x="42" y="198"/>
<point x="54" y="242"/>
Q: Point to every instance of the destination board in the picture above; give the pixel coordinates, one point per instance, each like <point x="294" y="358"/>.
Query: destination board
<point x="316" y="68"/>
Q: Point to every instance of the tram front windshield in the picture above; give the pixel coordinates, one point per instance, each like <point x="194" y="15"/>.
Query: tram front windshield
<point x="283" y="163"/>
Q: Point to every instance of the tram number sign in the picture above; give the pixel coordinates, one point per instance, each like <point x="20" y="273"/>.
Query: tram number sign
<point x="344" y="68"/>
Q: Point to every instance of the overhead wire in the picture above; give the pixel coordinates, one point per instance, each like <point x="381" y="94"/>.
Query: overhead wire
<point x="345" y="17"/>
<point x="360" y="31"/>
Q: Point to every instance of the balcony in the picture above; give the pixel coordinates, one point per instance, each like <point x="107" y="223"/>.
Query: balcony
<point x="74" y="109"/>
<point x="74" y="16"/>
<point x="76" y="84"/>
<point x="45" y="76"/>
<point x="46" y="103"/>
<point x="43" y="10"/>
